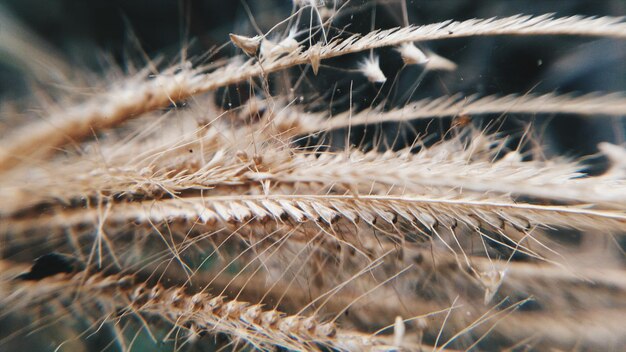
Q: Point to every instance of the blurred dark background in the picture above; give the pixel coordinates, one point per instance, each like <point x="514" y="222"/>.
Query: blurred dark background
<point x="93" y="36"/>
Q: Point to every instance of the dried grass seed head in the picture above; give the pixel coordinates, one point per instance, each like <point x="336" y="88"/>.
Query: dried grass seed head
<point x="271" y="49"/>
<point x="439" y="63"/>
<point x="412" y="55"/>
<point x="315" y="53"/>
<point x="249" y="45"/>
<point x="370" y="68"/>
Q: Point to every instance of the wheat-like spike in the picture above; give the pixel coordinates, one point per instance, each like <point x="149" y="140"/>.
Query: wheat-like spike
<point x="137" y="96"/>
<point x="438" y="270"/>
<point x="447" y="165"/>
<point x="415" y="173"/>
<point x="257" y="326"/>
<point x="133" y="170"/>
<point x="587" y="105"/>
<point x="449" y="168"/>
<point x="514" y="25"/>
<point x="292" y="298"/>
<point x="326" y="209"/>
<point x="558" y="288"/>
<point x="380" y="306"/>
<point x="128" y="99"/>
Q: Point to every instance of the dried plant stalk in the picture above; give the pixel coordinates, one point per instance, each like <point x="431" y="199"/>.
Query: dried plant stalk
<point x="138" y="97"/>
<point x="198" y="312"/>
<point x="590" y="105"/>
<point x="304" y="241"/>
<point x="328" y="209"/>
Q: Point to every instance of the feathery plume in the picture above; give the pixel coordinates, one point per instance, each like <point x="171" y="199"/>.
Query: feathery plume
<point x="370" y="68"/>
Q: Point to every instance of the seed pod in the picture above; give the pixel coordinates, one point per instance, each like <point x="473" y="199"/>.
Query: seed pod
<point x="252" y="315"/>
<point x="412" y="55"/>
<point x="290" y="324"/>
<point x="326" y="329"/>
<point x="270" y="318"/>
<point x="215" y="303"/>
<point x="233" y="309"/>
<point x="176" y="297"/>
<point x="270" y="49"/>
<point x="439" y="63"/>
<point x="197" y="302"/>
<point x="315" y="57"/>
<point x="249" y="45"/>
